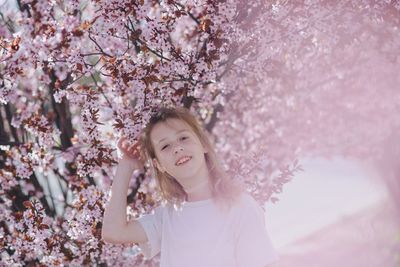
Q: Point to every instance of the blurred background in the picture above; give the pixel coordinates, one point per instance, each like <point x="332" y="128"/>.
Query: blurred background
<point x="335" y="213"/>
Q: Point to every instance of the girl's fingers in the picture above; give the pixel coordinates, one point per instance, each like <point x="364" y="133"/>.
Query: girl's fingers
<point x="132" y="150"/>
<point x="134" y="146"/>
<point x="126" y="145"/>
<point x="122" y="142"/>
<point x="119" y="143"/>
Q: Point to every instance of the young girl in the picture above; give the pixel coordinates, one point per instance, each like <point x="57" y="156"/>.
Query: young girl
<point x="217" y="224"/>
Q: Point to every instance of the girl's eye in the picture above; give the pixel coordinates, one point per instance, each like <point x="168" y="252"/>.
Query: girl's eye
<point x="164" y="147"/>
<point x="182" y="138"/>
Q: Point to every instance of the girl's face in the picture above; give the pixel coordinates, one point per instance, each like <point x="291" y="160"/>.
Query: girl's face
<point x="178" y="149"/>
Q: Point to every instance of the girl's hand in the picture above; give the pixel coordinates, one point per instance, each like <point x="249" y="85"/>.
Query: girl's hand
<point x="129" y="151"/>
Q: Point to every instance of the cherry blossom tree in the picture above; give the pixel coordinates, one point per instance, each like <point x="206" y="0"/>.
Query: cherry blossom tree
<point x="324" y="83"/>
<point x="321" y="80"/>
<point x="270" y="81"/>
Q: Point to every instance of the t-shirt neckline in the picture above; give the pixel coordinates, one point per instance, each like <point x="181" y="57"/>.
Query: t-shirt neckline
<point x="197" y="203"/>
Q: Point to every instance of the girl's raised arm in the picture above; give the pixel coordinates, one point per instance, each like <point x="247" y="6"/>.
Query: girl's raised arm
<point x="115" y="227"/>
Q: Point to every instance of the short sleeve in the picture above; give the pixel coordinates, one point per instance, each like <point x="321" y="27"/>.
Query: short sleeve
<point x="152" y="225"/>
<point x="253" y="246"/>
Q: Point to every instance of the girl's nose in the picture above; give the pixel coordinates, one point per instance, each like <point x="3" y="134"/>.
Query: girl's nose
<point x="177" y="148"/>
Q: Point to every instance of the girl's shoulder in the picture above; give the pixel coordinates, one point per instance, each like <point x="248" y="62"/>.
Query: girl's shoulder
<point x="247" y="199"/>
<point x="248" y="206"/>
<point x="247" y="212"/>
<point x="246" y="202"/>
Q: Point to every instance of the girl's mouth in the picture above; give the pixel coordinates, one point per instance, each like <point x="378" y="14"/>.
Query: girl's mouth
<point x="183" y="161"/>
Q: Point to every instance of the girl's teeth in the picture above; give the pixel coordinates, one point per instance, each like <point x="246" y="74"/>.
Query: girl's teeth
<point x="185" y="160"/>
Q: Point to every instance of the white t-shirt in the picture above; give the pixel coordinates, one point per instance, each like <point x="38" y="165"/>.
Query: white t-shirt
<point x="200" y="235"/>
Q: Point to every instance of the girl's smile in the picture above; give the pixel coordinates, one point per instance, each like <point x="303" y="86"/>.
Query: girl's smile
<point x="183" y="160"/>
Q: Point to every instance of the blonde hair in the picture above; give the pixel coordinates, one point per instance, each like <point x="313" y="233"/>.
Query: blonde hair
<point x="224" y="189"/>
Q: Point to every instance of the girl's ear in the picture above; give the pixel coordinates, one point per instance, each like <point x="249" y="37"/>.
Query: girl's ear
<point x="205" y="149"/>
<point x="158" y="165"/>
